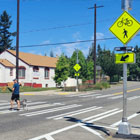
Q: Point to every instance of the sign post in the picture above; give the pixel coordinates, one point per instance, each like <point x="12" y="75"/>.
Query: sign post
<point x="124" y="28"/>
<point x="77" y="67"/>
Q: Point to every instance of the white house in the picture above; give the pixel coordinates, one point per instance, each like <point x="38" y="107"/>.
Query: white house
<point x="34" y="70"/>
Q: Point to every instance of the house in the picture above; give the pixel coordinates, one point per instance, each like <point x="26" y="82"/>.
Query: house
<point x="34" y="70"/>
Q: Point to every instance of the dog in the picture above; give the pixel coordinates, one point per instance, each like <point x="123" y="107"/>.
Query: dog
<point x="23" y="104"/>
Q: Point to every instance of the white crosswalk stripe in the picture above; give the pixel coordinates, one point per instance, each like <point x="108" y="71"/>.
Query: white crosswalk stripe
<point x="8" y="104"/>
<point x="116" y="97"/>
<point x="3" y="101"/>
<point x="4" y="107"/>
<point x="103" y="96"/>
<point x="50" y="110"/>
<point x="133" y="98"/>
<point x="79" y="95"/>
<point x="90" y="119"/>
<point x="100" y="96"/>
<point x="73" y="113"/>
<point x="128" y="118"/>
<point x="93" y="95"/>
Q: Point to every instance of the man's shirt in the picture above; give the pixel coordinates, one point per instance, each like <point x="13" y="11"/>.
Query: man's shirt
<point x="16" y="88"/>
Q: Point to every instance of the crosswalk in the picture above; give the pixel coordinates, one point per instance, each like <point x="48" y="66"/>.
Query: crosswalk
<point x="87" y="115"/>
<point x="101" y="96"/>
<point x="4" y="106"/>
<point x="73" y="113"/>
<point x="36" y="108"/>
<point x="88" y="123"/>
<point x="35" y="113"/>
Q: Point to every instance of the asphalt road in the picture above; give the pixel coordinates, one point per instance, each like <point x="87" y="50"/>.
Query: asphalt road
<point x="65" y="116"/>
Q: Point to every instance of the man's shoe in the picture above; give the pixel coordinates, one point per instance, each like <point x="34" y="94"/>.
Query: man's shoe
<point x="11" y="109"/>
<point x="18" y="109"/>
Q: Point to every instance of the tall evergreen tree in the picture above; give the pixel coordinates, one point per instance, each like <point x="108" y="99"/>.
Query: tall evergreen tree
<point x="91" y="52"/>
<point x="5" y="34"/>
<point x="99" y="54"/>
<point x="51" y="54"/>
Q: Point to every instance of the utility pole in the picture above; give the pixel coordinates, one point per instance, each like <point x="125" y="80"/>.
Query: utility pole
<point x="94" y="53"/>
<point x="17" y="40"/>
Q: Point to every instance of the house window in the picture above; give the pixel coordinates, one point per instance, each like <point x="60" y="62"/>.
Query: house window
<point x="11" y="71"/>
<point x="35" y="69"/>
<point x="21" y="72"/>
<point x="36" y="72"/>
<point x="46" y="73"/>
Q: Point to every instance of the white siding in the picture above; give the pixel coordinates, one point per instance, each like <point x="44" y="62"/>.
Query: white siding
<point x="29" y="76"/>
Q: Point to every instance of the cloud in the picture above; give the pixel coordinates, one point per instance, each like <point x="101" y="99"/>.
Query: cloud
<point x="76" y="35"/>
<point x="98" y="36"/>
<point x="45" y="42"/>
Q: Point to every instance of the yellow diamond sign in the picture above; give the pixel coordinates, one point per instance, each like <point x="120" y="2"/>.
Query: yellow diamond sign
<point x="125" y="27"/>
<point x="77" y="67"/>
<point x="125" y="58"/>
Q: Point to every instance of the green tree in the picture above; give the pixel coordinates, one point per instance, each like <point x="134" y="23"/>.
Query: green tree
<point x="51" y="54"/>
<point x="99" y="54"/>
<point x="107" y="62"/>
<point x="90" y="68"/>
<point x="91" y="52"/>
<point x="134" y="69"/>
<point x="62" y="70"/>
<point x="82" y="63"/>
<point x="5" y="34"/>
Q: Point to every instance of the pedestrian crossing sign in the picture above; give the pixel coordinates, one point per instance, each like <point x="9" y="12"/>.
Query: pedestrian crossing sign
<point x="125" y="27"/>
<point x="77" y="67"/>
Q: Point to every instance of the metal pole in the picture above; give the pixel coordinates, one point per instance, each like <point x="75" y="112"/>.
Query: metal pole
<point x="124" y="118"/>
<point x="94" y="43"/>
<point x="17" y="40"/>
<point x="77" y="75"/>
<point x="124" y="127"/>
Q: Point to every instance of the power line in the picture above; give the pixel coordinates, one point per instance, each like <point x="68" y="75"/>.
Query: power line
<point x="65" y="26"/>
<point x="72" y="42"/>
<point x="59" y="27"/>
<point x="64" y="43"/>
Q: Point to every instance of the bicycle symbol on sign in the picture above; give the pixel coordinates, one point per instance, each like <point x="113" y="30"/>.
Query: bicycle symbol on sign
<point x="126" y="22"/>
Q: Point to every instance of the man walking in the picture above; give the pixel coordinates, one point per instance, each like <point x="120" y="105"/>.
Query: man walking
<point x="15" y="95"/>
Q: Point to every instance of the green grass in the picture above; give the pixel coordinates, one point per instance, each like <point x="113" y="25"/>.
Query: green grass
<point x="86" y="87"/>
<point x="26" y="89"/>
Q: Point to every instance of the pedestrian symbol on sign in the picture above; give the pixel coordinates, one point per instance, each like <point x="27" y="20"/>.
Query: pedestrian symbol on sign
<point x="125" y="33"/>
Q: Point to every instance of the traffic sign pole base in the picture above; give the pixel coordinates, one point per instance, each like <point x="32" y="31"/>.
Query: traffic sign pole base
<point x="124" y="128"/>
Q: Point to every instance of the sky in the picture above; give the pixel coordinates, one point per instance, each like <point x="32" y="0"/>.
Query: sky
<point x="58" y="21"/>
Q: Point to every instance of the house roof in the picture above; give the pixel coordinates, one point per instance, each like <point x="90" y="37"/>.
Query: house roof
<point x="6" y="63"/>
<point x="36" y="60"/>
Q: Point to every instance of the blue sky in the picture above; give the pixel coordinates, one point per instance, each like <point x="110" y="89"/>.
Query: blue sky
<point x="40" y="21"/>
